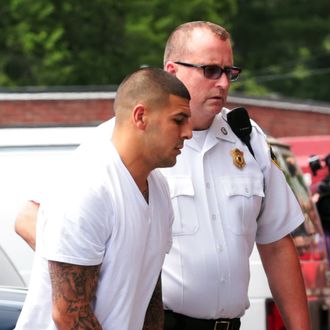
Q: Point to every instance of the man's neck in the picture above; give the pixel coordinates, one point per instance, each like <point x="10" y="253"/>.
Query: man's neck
<point x="145" y="192"/>
<point x="201" y="125"/>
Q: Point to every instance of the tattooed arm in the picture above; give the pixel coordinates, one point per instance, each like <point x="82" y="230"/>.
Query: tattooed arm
<point x="73" y="289"/>
<point x="154" y="319"/>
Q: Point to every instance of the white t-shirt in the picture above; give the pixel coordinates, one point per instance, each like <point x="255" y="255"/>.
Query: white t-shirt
<point x="220" y="211"/>
<point x="98" y="216"/>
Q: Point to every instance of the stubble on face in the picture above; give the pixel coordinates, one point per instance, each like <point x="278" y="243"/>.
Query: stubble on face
<point x="208" y="96"/>
<point x="170" y="128"/>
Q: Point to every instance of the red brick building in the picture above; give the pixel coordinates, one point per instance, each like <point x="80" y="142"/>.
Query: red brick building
<point x="286" y="118"/>
<point x="277" y="117"/>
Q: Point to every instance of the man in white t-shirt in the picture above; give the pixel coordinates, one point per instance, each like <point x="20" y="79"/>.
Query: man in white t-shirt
<point x="104" y="230"/>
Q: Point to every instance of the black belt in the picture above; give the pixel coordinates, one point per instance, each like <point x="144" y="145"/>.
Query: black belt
<point x="175" y="321"/>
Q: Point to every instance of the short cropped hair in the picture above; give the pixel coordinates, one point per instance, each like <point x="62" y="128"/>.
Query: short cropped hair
<point x="150" y="86"/>
<point x="178" y="42"/>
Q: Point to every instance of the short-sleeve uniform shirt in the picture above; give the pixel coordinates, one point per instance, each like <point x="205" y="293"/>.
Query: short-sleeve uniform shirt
<point x="221" y="209"/>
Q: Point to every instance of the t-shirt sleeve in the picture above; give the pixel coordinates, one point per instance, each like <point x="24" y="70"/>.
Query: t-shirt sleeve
<point x="76" y="225"/>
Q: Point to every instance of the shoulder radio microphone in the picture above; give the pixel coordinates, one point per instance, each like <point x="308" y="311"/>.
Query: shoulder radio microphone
<point x="239" y="121"/>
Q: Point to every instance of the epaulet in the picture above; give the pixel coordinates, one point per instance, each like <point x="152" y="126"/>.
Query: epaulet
<point x="272" y="155"/>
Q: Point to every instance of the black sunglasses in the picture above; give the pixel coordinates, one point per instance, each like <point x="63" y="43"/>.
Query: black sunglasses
<point x="214" y="72"/>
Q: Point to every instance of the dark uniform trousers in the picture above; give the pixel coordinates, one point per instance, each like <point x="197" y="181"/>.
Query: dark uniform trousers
<point x="175" y="321"/>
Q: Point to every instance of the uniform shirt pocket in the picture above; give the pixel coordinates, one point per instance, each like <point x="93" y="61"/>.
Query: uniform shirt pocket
<point x="240" y="200"/>
<point x="182" y="196"/>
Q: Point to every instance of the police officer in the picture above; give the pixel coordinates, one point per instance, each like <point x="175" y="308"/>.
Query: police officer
<point x="224" y="200"/>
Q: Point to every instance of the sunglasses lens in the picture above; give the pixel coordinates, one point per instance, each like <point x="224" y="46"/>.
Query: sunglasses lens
<point x="212" y="71"/>
<point x="233" y="73"/>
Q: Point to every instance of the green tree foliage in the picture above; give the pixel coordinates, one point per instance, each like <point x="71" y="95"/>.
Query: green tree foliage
<point x="149" y="23"/>
<point x="61" y="42"/>
<point x="282" y="45"/>
<point x="70" y="42"/>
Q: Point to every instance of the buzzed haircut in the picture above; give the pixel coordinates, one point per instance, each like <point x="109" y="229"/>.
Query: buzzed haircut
<point x="150" y="86"/>
<point x="178" y="42"/>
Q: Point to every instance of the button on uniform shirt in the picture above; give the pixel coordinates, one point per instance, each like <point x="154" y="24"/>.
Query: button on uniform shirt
<point x="220" y="211"/>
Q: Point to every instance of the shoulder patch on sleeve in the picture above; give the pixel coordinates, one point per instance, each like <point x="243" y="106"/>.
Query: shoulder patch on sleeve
<point x="273" y="158"/>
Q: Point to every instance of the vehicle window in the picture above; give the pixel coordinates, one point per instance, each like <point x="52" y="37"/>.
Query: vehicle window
<point x="9" y="275"/>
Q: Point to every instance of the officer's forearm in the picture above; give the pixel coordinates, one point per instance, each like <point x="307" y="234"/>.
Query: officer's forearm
<point x="285" y="279"/>
<point x="154" y="319"/>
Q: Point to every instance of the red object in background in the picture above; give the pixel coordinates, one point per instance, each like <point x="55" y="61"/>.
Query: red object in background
<point x="274" y="319"/>
<point x="305" y="146"/>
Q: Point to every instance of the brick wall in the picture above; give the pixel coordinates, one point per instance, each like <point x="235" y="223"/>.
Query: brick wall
<point x="51" y="110"/>
<point x="277" y="118"/>
<point x="74" y="112"/>
<point x="280" y="122"/>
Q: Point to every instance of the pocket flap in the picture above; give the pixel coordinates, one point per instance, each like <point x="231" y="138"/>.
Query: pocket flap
<point x="242" y="185"/>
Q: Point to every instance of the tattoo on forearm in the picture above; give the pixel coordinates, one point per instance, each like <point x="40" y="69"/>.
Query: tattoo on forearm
<point x="73" y="290"/>
<point x="154" y="319"/>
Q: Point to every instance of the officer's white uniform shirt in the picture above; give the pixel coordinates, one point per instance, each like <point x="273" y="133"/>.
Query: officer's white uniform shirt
<point x="220" y="211"/>
<point x="102" y="218"/>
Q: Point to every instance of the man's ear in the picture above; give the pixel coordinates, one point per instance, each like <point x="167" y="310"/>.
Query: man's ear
<point x="139" y="116"/>
<point x="170" y="67"/>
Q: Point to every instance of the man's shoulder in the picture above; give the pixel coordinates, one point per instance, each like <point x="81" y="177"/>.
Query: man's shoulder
<point x="255" y="126"/>
<point x="257" y="129"/>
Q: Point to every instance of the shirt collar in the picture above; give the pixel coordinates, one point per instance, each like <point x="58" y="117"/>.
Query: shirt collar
<point x="219" y="129"/>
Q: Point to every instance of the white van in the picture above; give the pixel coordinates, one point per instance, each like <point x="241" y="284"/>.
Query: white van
<point x="29" y="156"/>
